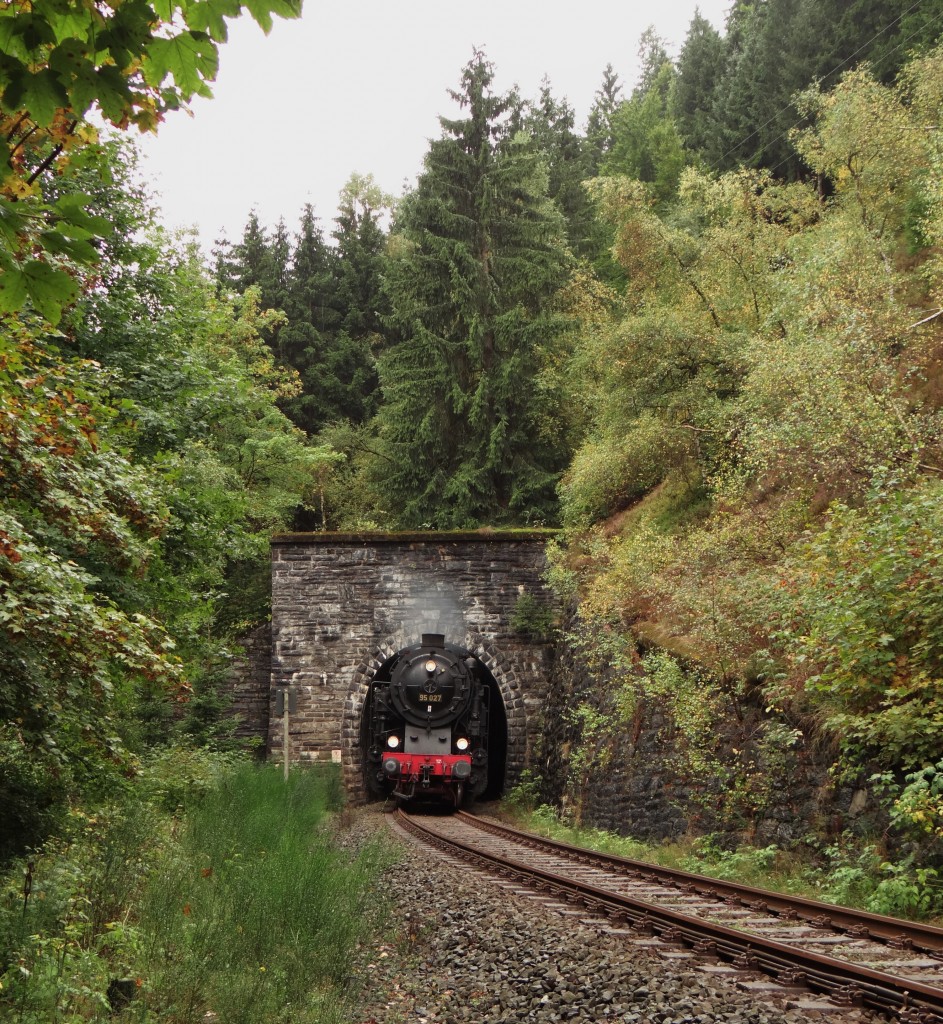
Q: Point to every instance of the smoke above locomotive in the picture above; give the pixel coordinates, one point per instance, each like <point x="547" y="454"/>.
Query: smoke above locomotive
<point x="427" y="725"/>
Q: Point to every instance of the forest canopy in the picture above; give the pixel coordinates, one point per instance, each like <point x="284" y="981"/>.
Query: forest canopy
<point x="700" y="333"/>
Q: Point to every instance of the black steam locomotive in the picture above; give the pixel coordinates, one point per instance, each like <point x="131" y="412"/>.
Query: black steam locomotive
<point x="427" y="723"/>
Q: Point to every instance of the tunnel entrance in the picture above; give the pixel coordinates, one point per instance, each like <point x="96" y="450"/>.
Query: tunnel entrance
<point x="497" y="727"/>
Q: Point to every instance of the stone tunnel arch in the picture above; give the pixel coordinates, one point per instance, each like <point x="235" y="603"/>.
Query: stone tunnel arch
<point x="506" y="682"/>
<point x="342" y="604"/>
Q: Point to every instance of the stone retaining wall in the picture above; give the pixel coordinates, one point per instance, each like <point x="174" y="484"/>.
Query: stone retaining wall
<point x="632" y="781"/>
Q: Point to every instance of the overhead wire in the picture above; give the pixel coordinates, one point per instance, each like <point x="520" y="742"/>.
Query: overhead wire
<point x="864" y="46"/>
<point x="795" y="124"/>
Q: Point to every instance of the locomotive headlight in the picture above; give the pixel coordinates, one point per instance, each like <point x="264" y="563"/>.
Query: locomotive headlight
<point x="392" y="742"/>
<point x="431" y="666"/>
<point x="461" y="743"/>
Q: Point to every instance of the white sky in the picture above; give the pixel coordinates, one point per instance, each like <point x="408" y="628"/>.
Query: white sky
<point x="359" y="87"/>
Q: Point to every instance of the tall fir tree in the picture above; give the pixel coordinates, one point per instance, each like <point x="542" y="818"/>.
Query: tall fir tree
<point x="599" y="122"/>
<point x="701" y="65"/>
<point x="305" y="342"/>
<point x="361" y="245"/>
<point x="478" y="255"/>
<point x="225" y="266"/>
<point x="551" y="125"/>
<point x="646" y="144"/>
<point x="274" y="281"/>
<point x="652" y="56"/>
<point x="776" y="48"/>
<point x="251" y="254"/>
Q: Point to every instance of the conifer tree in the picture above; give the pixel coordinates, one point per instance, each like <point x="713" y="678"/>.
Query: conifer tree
<point x="646" y="144"/>
<point x="274" y="281"/>
<point x="701" y="67"/>
<point x="225" y="266"/>
<point x="251" y="254"/>
<point x="478" y="254"/>
<point x="653" y="56"/>
<point x="361" y="243"/>
<point x="599" y="123"/>
<point x="551" y="124"/>
<point x="307" y="338"/>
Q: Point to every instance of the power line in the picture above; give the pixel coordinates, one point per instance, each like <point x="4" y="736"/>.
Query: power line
<point x="834" y="70"/>
<point x="795" y="124"/>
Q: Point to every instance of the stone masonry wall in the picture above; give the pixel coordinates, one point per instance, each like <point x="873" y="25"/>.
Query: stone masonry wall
<point x="342" y="604"/>
<point x="633" y="783"/>
<point x="249" y="684"/>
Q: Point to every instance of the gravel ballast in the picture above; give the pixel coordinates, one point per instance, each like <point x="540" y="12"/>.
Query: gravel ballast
<point x="462" y="949"/>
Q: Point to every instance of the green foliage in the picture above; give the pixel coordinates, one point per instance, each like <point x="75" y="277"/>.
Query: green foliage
<point x="523" y="797"/>
<point x="476" y="260"/>
<point x="663" y="373"/>
<point x="608" y="474"/>
<point x="591" y="752"/>
<point x="184" y="908"/>
<point x="917" y="810"/>
<point x="254" y="853"/>
<point x="533" y="617"/>
<point x="646" y="145"/>
<point x="142" y="471"/>
<point x="747" y="865"/>
<point x="331" y="300"/>
<point x="858" y="874"/>
<point x="865" y="614"/>
<point x="75" y="511"/>
<point x="774" y="50"/>
<point x="774" y="357"/>
<point x="61" y="62"/>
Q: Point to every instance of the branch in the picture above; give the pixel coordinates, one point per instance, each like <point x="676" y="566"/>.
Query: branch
<point x="44" y="166"/>
<point x="926" y="319"/>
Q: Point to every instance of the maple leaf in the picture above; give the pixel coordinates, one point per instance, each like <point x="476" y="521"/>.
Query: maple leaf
<point x="191" y="57"/>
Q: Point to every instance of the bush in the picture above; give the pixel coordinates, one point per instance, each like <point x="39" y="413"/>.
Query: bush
<point x="241" y="906"/>
<point x="611" y="471"/>
<point x="863" y="624"/>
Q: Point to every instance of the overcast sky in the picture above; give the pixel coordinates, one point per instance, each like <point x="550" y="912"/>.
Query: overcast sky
<point x="359" y="87"/>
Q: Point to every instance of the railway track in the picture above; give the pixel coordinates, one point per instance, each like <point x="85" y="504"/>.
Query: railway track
<point x="852" y="958"/>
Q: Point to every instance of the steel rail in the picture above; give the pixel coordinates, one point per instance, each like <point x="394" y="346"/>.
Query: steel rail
<point x="845" y="982"/>
<point x="859" y="923"/>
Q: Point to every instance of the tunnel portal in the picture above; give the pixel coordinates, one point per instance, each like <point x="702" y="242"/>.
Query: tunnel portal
<point x="343" y="605"/>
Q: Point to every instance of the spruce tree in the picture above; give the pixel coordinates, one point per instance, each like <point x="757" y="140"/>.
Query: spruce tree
<point x="361" y="244"/>
<point x="599" y="123"/>
<point x="225" y="266"/>
<point x="701" y="67"/>
<point x="305" y="342"/>
<point x="646" y="144"/>
<point x="478" y="255"/>
<point x="551" y="125"/>
<point x="251" y="254"/>
<point x="274" y="281"/>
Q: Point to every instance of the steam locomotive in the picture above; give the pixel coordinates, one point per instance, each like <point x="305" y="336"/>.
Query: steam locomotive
<point x="427" y="722"/>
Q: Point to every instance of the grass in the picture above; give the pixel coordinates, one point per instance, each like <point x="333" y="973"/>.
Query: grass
<point x="238" y="909"/>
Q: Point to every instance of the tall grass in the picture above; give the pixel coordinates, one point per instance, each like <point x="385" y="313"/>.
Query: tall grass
<point x="236" y="908"/>
<point x="253" y="916"/>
